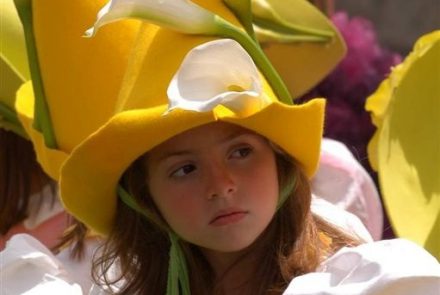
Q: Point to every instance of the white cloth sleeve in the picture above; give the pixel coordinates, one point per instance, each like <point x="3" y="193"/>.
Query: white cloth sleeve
<point x="29" y="268"/>
<point x="80" y="270"/>
<point x="391" y="267"/>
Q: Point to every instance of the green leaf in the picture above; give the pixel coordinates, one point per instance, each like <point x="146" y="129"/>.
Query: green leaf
<point x="42" y="119"/>
<point x="266" y="17"/>
<point x="265" y="36"/>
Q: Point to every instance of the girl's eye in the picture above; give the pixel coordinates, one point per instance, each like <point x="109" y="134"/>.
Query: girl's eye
<point x="241" y="152"/>
<point x="184" y="170"/>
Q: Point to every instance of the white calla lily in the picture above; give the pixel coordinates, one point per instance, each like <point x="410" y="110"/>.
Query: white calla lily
<point x="180" y="15"/>
<point x="187" y="17"/>
<point x="219" y="72"/>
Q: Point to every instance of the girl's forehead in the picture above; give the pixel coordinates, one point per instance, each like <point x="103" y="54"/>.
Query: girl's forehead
<point x="209" y="134"/>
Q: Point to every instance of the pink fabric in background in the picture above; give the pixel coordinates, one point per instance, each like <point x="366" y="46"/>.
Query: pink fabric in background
<point x="342" y="181"/>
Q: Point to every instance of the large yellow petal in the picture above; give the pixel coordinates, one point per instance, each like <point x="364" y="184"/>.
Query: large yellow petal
<point x="12" y="45"/>
<point x="408" y="147"/>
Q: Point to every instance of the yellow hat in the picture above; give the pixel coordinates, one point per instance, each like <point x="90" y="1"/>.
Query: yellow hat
<point x="142" y="119"/>
<point x="77" y="73"/>
<point x="405" y="150"/>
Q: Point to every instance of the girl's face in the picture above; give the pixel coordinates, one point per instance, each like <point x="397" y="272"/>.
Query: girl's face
<point x="216" y="185"/>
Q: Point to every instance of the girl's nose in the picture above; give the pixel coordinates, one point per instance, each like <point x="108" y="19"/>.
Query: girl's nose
<point x="221" y="183"/>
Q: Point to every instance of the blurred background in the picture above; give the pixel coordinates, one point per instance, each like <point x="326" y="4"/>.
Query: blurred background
<point x="398" y="22"/>
<point x="379" y="34"/>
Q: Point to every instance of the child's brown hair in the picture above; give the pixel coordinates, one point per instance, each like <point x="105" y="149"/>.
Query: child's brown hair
<point x="294" y="243"/>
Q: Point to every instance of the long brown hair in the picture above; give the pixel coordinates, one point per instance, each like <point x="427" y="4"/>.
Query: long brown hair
<point x="20" y="175"/>
<point x="294" y="243"/>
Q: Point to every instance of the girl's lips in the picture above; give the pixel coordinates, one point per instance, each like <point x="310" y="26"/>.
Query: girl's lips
<point x="228" y="217"/>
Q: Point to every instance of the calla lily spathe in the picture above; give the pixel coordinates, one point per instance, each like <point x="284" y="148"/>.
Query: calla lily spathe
<point x="180" y="15"/>
<point x="230" y="79"/>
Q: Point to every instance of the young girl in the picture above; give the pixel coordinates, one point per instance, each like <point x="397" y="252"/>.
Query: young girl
<point x="200" y="181"/>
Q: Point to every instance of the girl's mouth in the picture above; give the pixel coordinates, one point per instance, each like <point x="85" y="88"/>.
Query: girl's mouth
<point x="224" y="218"/>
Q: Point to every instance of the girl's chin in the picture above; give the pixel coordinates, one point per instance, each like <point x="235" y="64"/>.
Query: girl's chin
<point x="230" y="248"/>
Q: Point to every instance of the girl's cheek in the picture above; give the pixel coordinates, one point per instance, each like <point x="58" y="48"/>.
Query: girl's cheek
<point x="180" y="203"/>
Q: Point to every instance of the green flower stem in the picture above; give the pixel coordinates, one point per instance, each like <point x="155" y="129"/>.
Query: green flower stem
<point x="42" y="119"/>
<point x="243" y="11"/>
<point x="11" y="120"/>
<point x="288" y="28"/>
<point x="260" y="59"/>
<point x="8" y="114"/>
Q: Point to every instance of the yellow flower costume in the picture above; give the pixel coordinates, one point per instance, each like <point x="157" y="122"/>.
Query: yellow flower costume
<point x="405" y="150"/>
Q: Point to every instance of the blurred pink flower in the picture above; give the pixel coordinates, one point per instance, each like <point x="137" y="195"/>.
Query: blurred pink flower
<point x="356" y="77"/>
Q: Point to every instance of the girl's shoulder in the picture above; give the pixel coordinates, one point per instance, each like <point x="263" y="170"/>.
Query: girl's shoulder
<point x="397" y="267"/>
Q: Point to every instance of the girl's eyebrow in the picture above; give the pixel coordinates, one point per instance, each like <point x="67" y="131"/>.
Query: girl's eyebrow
<point x="171" y="154"/>
<point x="184" y="152"/>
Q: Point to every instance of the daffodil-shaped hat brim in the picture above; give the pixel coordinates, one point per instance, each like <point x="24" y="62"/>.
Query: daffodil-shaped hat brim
<point x="128" y="135"/>
<point x="90" y="176"/>
<point x="407" y="144"/>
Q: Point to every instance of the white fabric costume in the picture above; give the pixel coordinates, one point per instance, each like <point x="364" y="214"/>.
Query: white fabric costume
<point x="391" y="267"/>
